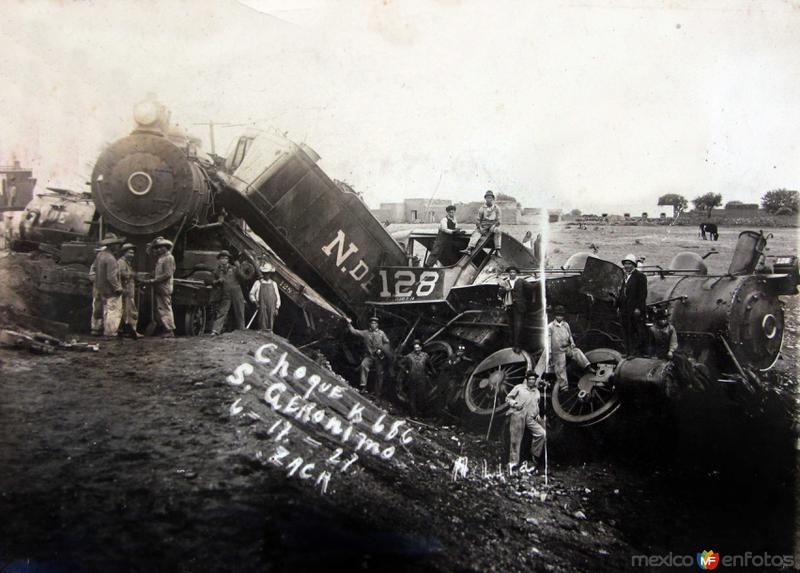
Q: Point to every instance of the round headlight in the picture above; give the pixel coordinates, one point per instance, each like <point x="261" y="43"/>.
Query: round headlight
<point x="145" y="113"/>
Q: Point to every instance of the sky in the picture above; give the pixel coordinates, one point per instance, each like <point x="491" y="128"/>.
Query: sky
<point x="597" y="105"/>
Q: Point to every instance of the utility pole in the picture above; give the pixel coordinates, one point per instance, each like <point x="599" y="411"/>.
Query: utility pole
<point x="210" y="125"/>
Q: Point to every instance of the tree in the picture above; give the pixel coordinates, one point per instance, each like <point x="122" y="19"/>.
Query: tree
<point x="707" y="202"/>
<point x="678" y="202"/>
<point x="777" y="199"/>
<point x="575" y="213"/>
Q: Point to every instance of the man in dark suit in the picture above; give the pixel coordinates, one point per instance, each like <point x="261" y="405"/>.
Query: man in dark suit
<point x="515" y="293"/>
<point x="632" y="306"/>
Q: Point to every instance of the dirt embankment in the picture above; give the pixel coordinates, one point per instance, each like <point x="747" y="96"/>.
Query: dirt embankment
<point x="129" y="460"/>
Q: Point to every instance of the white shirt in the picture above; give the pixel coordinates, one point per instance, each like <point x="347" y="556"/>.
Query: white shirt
<point x="256" y="290"/>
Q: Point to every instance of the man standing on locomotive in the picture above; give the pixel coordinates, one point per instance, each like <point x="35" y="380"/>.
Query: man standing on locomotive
<point x="562" y="347"/>
<point x="515" y="293"/>
<point x="127" y="277"/>
<point x="376" y="343"/>
<point x="107" y="290"/>
<point x="523" y="412"/>
<point x="162" y="284"/>
<point x="230" y="277"/>
<point x="488" y="221"/>
<point x="632" y="307"/>
<point x="443" y="245"/>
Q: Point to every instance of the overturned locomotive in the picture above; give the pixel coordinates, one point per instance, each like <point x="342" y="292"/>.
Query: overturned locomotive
<point x="269" y="201"/>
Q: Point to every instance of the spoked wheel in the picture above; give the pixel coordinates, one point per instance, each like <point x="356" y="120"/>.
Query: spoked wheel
<point x="194" y="320"/>
<point x="493" y="378"/>
<point x="594" y="397"/>
<point x="439" y="351"/>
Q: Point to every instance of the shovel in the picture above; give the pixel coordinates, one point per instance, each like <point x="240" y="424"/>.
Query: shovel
<point x="150" y="329"/>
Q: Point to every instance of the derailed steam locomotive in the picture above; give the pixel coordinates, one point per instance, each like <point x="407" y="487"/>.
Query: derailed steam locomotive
<point x="268" y="200"/>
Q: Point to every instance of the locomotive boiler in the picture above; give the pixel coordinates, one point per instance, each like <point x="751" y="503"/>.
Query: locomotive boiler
<point x="154" y="182"/>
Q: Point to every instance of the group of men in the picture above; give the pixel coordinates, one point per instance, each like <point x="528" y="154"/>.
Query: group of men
<point x="115" y="310"/>
<point x="416" y="366"/>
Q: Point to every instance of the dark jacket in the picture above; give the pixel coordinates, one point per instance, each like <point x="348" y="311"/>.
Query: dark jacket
<point x="521" y="294"/>
<point x="633" y="294"/>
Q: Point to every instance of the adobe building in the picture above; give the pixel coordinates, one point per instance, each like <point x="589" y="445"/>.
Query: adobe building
<point x="16" y="187"/>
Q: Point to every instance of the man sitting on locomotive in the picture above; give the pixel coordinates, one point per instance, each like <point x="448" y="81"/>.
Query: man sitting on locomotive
<point x="662" y="338"/>
<point x="562" y="347"/>
<point x="376" y="343"/>
<point x="488" y="221"/>
<point x="444" y="247"/>
<point x="523" y="412"/>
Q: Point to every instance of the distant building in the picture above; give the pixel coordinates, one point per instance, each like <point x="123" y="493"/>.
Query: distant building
<point x="418" y="210"/>
<point x="16" y="186"/>
<point x="742" y="208"/>
<point x="413" y="210"/>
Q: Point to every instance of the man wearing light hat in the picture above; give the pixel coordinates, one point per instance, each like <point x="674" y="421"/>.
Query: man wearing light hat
<point x="632" y="307"/>
<point x="265" y="294"/>
<point x="229" y="277"/>
<point x="162" y="284"/>
<point x="107" y="291"/>
<point x="376" y="343"/>
<point x="562" y="348"/>
<point x="488" y="221"/>
<point x="127" y="278"/>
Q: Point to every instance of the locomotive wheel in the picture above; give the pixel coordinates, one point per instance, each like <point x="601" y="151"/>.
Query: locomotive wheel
<point x="594" y="397"/>
<point x="194" y="320"/>
<point x="439" y="351"/>
<point x="493" y="378"/>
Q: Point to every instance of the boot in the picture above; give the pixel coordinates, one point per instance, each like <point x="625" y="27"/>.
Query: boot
<point x="168" y="334"/>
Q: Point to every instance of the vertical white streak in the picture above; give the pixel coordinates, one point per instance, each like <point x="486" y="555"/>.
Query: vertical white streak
<point x="545" y="227"/>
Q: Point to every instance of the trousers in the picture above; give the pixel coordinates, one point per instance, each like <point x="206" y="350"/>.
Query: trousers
<point x="164" y="308"/>
<point x="106" y="314"/>
<point x="558" y="362"/>
<point x="516" y="428"/>
<point x="478" y="233"/>
<point x="366" y="365"/>
<point x="228" y="302"/>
